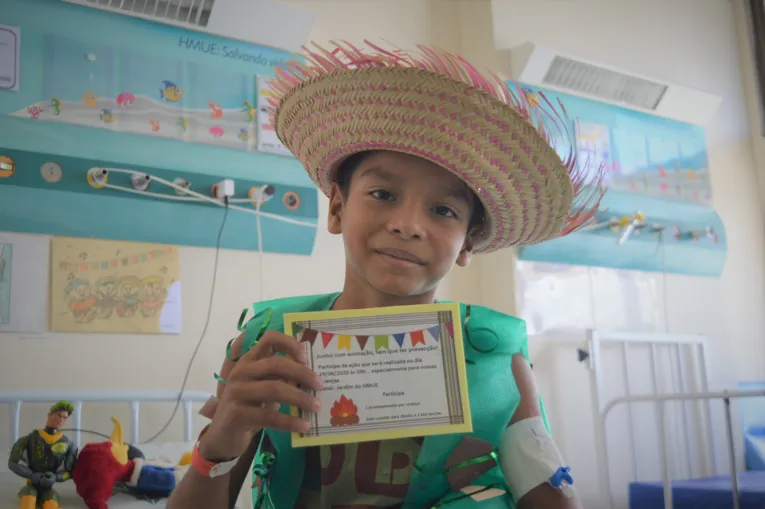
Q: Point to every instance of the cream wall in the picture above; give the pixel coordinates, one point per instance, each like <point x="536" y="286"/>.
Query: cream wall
<point x="691" y="42"/>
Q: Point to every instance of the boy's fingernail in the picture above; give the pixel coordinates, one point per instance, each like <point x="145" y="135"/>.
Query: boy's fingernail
<point x="316" y="405"/>
<point x="305" y="426"/>
<point x="319" y="383"/>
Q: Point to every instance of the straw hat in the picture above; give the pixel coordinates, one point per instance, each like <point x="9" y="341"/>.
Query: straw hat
<point x="437" y="106"/>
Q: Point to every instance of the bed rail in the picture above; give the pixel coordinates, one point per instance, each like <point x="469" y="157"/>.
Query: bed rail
<point x="685" y="381"/>
<point x="661" y="400"/>
<point x="15" y="399"/>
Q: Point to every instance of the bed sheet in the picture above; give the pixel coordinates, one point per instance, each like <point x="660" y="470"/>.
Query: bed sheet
<point x="10" y="485"/>
<point x="709" y="493"/>
<point x="168" y="453"/>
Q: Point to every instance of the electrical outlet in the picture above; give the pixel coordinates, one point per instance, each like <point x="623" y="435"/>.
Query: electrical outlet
<point x="224" y="188"/>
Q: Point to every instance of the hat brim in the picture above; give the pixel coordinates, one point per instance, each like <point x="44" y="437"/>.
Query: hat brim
<point x="439" y="108"/>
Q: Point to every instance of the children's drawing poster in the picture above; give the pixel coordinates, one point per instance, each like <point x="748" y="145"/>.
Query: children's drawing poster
<point x="657" y="214"/>
<point x="6" y="265"/>
<point x="388" y="373"/>
<point x="114" y="287"/>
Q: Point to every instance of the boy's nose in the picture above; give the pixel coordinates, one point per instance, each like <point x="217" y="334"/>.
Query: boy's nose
<point x="407" y="222"/>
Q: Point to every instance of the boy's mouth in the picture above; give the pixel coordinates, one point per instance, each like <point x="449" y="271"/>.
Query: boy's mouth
<point x="400" y="256"/>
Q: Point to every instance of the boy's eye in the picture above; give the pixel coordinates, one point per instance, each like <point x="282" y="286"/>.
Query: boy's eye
<point x="381" y="194"/>
<point x="442" y="210"/>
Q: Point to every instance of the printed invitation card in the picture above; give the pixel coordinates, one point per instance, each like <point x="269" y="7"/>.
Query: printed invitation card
<point x="388" y="373"/>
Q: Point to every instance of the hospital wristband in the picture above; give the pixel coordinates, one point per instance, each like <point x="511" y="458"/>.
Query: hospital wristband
<point x="207" y="468"/>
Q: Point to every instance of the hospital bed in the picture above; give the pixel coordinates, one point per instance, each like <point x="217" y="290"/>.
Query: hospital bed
<point x="167" y="452"/>
<point x="689" y="474"/>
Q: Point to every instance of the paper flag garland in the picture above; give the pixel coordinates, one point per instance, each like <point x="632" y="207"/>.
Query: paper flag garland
<point x="381" y="341"/>
<point x="309" y="335"/>
<point x="343" y="342"/>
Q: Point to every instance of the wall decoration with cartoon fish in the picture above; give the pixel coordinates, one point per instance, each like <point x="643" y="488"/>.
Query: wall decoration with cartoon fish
<point x="171" y="92"/>
<point x="215" y="110"/>
<point x="34" y="112"/>
<point x="217" y="131"/>
<point x="249" y="109"/>
<point x="90" y="100"/>
<point x="244" y="134"/>
<point x="125" y="99"/>
<point x="154" y="125"/>
<point x="107" y="116"/>
<point x="183" y="123"/>
<point x="55" y="105"/>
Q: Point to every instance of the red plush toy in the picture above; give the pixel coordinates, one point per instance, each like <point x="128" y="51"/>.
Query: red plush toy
<point x="100" y="466"/>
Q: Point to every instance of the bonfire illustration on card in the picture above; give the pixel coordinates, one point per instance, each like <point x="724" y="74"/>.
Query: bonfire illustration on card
<point x="388" y="373"/>
<point x="344" y="412"/>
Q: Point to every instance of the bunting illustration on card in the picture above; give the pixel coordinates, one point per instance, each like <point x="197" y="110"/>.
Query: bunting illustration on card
<point x="385" y="341"/>
<point x="401" y="370"/>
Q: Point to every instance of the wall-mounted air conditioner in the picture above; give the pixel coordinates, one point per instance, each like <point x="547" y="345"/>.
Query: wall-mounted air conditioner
<point x="542" y="67"/>
<point x="264" y="22"/>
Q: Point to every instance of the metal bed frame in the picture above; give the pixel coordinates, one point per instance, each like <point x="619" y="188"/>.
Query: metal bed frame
<point x="15" y="399"/>
<point x="681" y="347"/>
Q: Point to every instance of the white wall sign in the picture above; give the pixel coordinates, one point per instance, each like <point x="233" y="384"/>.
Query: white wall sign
<point x="267" y="140"/>
<point x="10" y="57"/>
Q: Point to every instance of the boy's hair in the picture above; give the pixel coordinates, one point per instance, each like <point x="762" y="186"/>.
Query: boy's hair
<point x="348" y="167"/>
<point x="62" y="405"/>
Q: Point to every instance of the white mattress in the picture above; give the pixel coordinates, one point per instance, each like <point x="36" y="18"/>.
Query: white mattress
<point x="170" y="453"/>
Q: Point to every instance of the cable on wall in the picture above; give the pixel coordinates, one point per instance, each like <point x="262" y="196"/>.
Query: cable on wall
<point x="98" y="178"/>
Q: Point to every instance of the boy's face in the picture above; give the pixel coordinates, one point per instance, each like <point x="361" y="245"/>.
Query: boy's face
<point x="404" y="223"/>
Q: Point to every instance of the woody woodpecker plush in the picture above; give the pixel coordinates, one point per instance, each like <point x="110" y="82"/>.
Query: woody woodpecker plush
<point x="102" y="465"/>
<point x="43" y="458"/>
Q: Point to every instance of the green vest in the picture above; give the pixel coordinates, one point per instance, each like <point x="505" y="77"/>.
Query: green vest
<point x="493" y="338"/>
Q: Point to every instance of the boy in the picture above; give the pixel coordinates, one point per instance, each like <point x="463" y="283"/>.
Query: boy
<point x="425" y="162"/>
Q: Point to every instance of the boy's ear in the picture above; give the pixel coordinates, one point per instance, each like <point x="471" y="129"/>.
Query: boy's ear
<point x="463" y="258"/>
<point x="336" y="207"/>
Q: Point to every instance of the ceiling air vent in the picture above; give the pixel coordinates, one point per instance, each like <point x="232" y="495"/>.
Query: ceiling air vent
<point x="194" y="12"/>
<point x="609" y="85"/>
<point x="253" y="21"/>
<point x="535" y="65"/>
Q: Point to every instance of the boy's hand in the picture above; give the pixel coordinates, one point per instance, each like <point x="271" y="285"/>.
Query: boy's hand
<point x="257" y="385"/>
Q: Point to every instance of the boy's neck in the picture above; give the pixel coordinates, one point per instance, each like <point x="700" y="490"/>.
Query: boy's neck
<point x="355" y="298"/>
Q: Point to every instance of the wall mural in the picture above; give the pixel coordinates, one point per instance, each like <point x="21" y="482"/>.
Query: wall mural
<point x="99" y="89"/>
<point x="657" y="215"/>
